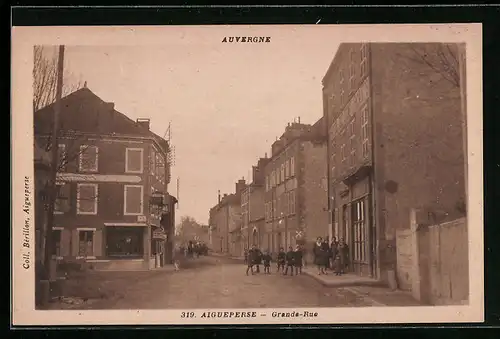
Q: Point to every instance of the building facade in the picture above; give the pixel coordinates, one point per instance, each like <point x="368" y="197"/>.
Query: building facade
<point x="112" y="181"/>
<point x="394" y="143"/>
<point x="295" y="198"/>
<point x="252" y="208"/>
<point x="225" y="223"/>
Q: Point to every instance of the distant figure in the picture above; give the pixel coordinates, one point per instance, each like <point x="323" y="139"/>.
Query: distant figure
<point x="328" y="253"/>
<point x="298" y="257"/>
<point x="281" y="260"/>
<point x="266" y="258"/>
<point x="333" y="250"/>
<point x="290" y="256"/>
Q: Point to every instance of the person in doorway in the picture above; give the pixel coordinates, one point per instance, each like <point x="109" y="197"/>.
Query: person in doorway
<point x="298" y="257"/>
<point x="319" y="256"/>
<point x="281" y="260"/>
<point x="266" y="258"/>
<point x="290" y="260"/>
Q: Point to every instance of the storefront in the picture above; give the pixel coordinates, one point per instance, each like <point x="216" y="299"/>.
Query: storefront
<point x="124" y="242"/>
<point x="355" y="222"/>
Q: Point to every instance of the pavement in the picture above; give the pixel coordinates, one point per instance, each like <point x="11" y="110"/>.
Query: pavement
<point x="220" y="282"/>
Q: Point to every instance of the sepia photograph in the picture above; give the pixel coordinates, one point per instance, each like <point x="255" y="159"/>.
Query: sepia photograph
<point x="247" y="174"/>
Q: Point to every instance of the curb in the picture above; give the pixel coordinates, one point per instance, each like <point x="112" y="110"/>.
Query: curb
<point x="370" y="299"/>
<point x="373" y="283"/>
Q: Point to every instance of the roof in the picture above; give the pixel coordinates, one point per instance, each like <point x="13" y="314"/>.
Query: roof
<point x="83" y="111"/>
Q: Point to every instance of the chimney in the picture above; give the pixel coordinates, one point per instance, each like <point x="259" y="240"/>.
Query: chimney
<point x="218" y="196"/>
<point x="265" y="155"/>
<point x="299" y="119"/>
<point x="143" y="122"/>
<point x="240" y="186"/>
<point x="110" y="106"/>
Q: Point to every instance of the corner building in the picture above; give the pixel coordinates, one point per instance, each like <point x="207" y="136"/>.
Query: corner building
<point x="394" y="143"/>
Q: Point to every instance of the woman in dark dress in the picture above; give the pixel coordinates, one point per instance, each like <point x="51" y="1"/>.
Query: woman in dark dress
<point x="319" y="255"/>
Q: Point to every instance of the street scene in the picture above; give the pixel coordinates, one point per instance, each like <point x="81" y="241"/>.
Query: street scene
<point x="197" y="178"/>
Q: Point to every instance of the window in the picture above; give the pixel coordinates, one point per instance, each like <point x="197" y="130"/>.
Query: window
<point x="86" y="243"/>
<point x="364" y="58"/>
<point x="56" y="242"/>
<point x="61" y="157"/>
<point x="134" y="160"/>
<point x="61" y="205"/>
<point x="274" y="209"/>
<point x="267" y="183"/>
<point x="133" y="200"/>
<point x="359" y="230"/>
<point x="352" y="142"/>
<point x="292" y="202"/>
<point x="89" y="158"/>
<point x="341" y="97"/>
<point x="282" y="172"/>
<point x="332" y="165"/>
<point x="364" y="131"/>
<point x="152" y="162"/>
<point x="86" y="198"/>
<point x="342" y="152"/>
<point x="352" y="70"/>
<point x="292" y="166"/>
<point x="286" y="199"/>
<point x="287" y="169"/>
<point x="160" y="168"/>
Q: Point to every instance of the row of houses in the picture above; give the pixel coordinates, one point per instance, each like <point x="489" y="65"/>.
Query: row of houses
<point x="390" y="139"/>
<point x="112" y="208"/>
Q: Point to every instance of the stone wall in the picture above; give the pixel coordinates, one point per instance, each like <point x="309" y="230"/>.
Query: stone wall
<point x="432" y="260"/>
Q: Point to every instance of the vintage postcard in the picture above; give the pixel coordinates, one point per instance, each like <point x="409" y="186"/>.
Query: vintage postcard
<point x="281" y="174"/>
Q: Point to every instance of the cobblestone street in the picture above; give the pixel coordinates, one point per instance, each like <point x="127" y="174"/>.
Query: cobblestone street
<point x="222" y="283"/>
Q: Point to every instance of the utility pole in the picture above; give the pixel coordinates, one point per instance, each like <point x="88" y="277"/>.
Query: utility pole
<point x="54" y="166"/>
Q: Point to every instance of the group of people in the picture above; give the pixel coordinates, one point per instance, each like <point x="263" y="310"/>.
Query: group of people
<point x="331" y="255"/>
<point x="290" y="261"/>
<point x="194" y="249"/>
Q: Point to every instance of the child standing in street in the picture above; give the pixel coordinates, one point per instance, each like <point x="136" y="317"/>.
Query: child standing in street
<point x="290" y="256"/>
<point x="298" y="256"/>
<point x="266" y="258"/>
<point x="281" y="260"/>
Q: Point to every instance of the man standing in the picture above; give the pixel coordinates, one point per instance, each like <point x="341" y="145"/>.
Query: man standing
<point x="298" y="257"/>
<point x="290" y="259"/>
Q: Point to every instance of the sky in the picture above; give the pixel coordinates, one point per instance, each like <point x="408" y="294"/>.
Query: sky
<point x="227" y="103"/>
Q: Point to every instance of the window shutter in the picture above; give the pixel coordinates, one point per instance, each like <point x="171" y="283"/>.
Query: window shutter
<point x="98" y="243"/>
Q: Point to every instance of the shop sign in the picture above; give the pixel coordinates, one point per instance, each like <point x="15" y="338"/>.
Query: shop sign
<point x="159" y="235"/>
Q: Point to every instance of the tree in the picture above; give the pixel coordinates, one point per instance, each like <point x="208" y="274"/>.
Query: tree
<point x="438" y="59"/>
<point x="45" y="78"/>
<point x="190" y="229"/>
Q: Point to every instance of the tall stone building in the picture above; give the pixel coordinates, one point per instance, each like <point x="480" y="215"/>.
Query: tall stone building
<point x="225" y="222"/>
<point x="295" y="198"/>
<point x="252" y="207"/>
<point x="393" y="116"/>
